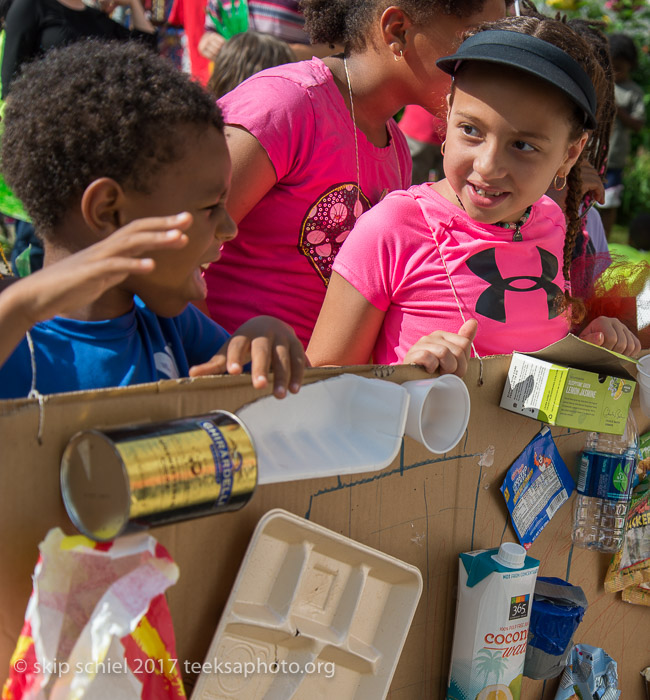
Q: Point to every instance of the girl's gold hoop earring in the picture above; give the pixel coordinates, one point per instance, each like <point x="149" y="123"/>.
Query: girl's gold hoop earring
<point x="398" y="58"/>
<point x="442" y="148"/>
<point x="557" y="187"/>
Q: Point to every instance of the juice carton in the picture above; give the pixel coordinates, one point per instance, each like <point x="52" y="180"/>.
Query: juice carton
<point x="495" y="594"/>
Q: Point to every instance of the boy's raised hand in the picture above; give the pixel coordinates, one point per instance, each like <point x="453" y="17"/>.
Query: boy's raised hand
<point x="612" y="334"/>
<point x="269" y="344"/>
<point x="444" y="351"/>
<point x="82" y="278"/>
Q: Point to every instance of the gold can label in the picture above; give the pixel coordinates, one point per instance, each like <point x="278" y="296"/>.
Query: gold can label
<point x="142" y="476"/>
<point x="207" y="463"/>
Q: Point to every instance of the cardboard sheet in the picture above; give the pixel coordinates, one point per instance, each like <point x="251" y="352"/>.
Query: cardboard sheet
<point x="423" y="509"/>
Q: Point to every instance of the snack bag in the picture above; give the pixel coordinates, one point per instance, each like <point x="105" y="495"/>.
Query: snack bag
<point x="97" y="623"/>
<point x="630" y="566"/>
<point x="536" y="485"/>
<point x="590" y="673"/>
<point x="639" y="595"/>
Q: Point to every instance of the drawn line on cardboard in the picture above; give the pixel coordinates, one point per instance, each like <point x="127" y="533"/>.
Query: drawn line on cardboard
<point x="478" y="486"/>
<point x="384" y="475"/>
<point x="568" y="563"/>
<point x="505" y="527"/>
<point x="426" y="525"/>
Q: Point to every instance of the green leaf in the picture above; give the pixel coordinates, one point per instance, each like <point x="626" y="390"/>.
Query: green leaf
<point x="23" y="262"/>
<point x="620" y="479"/>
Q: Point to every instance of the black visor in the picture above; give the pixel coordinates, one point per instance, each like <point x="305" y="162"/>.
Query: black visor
<point x="531" y="55"/>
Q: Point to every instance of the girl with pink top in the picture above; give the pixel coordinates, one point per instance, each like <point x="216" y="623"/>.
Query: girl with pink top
<point x="313" y="145"/>
<point x="485" y="243"/>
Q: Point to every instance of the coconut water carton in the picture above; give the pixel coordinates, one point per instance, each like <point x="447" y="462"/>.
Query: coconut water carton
<point x="495" y="594"/>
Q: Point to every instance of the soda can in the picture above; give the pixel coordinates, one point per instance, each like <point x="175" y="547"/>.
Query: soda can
<point x="125" y="479"/>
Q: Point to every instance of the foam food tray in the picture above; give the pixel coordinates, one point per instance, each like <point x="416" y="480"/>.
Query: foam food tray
<point x="305" y="595"/>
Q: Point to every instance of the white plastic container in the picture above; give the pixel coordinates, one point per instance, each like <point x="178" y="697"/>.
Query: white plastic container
<point x="341" y="425"/>
<point x="495" y="594"/>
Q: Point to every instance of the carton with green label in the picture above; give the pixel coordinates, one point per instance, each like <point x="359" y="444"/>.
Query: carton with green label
<point x="567" y="397"/>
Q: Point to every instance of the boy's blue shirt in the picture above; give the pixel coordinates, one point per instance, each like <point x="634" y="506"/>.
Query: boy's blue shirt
<point x="138" y="347"/>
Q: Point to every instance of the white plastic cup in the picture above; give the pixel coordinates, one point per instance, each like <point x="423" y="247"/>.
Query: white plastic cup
<point x="644" y="399"/>
<point x="643" y="368"/>
<point x="438" y="412"/>
<point x="643" y="382"/>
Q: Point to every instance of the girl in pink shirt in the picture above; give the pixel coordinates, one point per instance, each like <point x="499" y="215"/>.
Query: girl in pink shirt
<point x="313" y="145"/>
<point x="485" y="243"/>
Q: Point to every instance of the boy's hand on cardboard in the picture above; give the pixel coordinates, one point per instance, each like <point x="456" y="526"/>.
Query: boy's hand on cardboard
<point x="444" y="351"/>
<point x="611" y="334"/>
<point x="270" y="345"/>
<point x="83" y="277"/>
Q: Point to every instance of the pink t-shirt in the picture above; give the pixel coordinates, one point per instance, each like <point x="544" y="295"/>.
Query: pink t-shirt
<point x="281" y="261"/>
<point x="420" y="125"/>
<point x="509" y="287"/>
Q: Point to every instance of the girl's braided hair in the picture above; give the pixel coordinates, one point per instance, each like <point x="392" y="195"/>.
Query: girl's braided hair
<point x="559" y="33"/>
<point x="346" y="22"/>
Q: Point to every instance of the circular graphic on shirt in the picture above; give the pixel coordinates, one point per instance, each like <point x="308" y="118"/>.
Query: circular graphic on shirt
<point x="328" y="224"/>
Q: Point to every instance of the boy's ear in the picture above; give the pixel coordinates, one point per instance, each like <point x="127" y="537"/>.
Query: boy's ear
<point x="394" y="23"/>
<point x="101" y="205"/>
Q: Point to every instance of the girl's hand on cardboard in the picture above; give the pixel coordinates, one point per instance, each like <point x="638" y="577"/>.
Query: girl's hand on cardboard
<point x="611" y="334"/>
<point x="269" y="345"/>
<point x="444" y="351"/>
<point x="82" y="278"/>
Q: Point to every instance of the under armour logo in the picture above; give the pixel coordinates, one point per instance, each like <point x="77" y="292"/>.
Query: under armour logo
<point x="491" y="303"/>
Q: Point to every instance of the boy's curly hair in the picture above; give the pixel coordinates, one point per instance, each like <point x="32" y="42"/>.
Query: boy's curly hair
<point x="95" y="109"/>
<point x="346" y="22"/>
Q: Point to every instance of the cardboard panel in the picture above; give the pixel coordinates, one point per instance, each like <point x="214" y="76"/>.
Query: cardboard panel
<point x="423" y="508"/>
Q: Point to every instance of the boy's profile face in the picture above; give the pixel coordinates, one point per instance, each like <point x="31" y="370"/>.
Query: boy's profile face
<point x="198" y="183"/>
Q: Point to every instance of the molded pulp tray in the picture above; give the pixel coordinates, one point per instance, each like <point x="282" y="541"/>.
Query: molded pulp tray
<point x="306" y="595"/>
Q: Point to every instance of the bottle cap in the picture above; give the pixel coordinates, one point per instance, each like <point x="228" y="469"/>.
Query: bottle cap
<point x="511" y="555"/>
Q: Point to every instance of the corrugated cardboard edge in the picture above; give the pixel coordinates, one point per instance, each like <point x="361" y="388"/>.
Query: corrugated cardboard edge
<point x="573" y="352"/>
<point x="424" y="509"/>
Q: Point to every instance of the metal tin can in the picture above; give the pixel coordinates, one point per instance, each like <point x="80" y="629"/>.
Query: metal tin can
<point x="121" y="480"/>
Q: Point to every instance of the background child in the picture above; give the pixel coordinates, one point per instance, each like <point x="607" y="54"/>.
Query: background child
<point x="484" y="242"/>
<point x="244" y="55"/>
<point x="127" y="154"/>
<point x="630" y="116"/>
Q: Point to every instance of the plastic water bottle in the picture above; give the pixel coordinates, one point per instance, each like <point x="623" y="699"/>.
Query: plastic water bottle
<point x="606" y="470"/>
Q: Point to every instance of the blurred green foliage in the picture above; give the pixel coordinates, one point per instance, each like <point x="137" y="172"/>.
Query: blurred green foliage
<point x="631" y="17"/>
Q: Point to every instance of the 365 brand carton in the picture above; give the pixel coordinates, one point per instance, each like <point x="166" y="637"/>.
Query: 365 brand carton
<point x="565" y="396"/>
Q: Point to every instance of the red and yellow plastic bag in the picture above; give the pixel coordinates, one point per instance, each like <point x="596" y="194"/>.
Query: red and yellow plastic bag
<point x="97" y="623"/>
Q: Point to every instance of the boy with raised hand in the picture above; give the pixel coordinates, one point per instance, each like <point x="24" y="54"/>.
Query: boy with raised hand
<point x="125" y="172"/>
